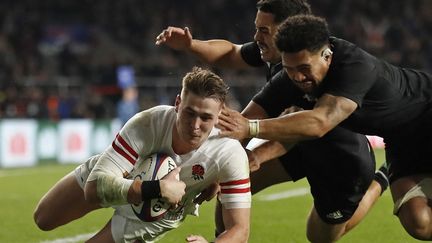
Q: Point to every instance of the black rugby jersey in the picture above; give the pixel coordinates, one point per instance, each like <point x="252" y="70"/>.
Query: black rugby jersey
<point x="389" y="98"/>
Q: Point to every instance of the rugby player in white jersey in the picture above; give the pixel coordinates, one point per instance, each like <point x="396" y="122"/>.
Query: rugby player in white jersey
<point x="186" y="133"/>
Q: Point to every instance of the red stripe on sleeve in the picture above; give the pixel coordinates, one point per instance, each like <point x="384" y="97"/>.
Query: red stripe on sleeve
<point x="235" y="190"/>
<point x="232" y="183"/>
<point x="126" y="146"/>
<point x="123" y="153"/>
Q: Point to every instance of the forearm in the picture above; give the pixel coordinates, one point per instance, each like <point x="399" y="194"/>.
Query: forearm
<point x="295" y="127"/>
<point x="112" y="190"/>
<point x="108" y="186"/>
<point x="237" y="224"/>
<point x="108" y="190"/>
<point x="220" y="53"/>
<point x="328" y="112"/>
<point x="269" y="150"/>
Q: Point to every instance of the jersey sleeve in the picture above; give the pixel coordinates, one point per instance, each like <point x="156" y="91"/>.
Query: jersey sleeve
<point x="234" y="178"/>
<point x="113" y="166"/>
<point x="251" y="54"/>
<point x="125" y="147"/>
<point x="133" y="140"/>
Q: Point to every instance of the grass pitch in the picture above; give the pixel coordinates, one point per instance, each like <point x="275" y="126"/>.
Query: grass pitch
<point x="282" y="220"/>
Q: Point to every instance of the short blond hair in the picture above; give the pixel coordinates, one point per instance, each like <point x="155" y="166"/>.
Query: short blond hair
<point x="205" y="83"/>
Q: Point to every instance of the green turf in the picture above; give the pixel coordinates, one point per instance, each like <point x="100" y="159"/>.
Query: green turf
<point x="272" y="221"/>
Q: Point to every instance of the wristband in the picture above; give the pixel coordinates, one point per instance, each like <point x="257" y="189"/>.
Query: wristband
<point x="253" y="128"/>
<point x="150" y="190"/>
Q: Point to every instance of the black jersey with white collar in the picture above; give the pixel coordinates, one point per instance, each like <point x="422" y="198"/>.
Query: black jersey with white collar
<point x="250" y="53"/>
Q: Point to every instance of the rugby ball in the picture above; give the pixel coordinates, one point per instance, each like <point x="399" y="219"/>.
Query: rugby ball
<point x="154" y="167"/>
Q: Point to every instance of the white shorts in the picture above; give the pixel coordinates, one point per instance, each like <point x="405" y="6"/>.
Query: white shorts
<point x="422" y="189"/>
<point x="82" y="172"/>
<point x="131" y="229"/>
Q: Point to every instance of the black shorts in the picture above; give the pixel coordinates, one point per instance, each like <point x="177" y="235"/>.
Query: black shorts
<point x="339" y="167"/>
<point x="410" y="153"/>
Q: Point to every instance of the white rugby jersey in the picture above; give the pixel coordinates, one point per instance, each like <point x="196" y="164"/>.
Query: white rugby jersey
<point x="217" y="159"/>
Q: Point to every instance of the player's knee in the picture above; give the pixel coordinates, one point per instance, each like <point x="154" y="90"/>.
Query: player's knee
<point x="312" y="237"/>
<point x="417" y="223"/>
<point x="420" y="232"/>
<point x="42" y="220"/>
<point x="319" y="231"/>
<point x="321" y="238"/>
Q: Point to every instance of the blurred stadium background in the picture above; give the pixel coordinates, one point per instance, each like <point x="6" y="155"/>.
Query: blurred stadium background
<point x="60" y="59"/>
<point x="65" y="68"/>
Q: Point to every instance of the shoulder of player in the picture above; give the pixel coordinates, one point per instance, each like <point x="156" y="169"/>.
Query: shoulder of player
<point x="224" y="147"/>
<point x="155" y="113"/>
<point x="345" y="50"/>
<point x="214" y="139"/>
<point x="229" y="156"/>
<point x="349" y="55"/>
<point x="145" y="123"/>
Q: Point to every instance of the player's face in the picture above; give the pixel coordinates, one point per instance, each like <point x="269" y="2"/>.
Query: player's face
<point x="196" y="117"/>
<point x="306" y="69"/>
<point x="264" y="36"/>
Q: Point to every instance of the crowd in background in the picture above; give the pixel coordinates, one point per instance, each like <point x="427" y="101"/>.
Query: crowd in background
<point x="59" y="59"/>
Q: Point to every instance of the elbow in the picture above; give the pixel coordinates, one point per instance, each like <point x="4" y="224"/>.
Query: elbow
<point x="43" y="219"/>
<point x="320" y="129"/>
<point x="244" y="235"/>
<point x="237" y="234"/>
<point x="319" y="133"/>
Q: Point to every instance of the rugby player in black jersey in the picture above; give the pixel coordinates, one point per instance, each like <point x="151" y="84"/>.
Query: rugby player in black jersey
<point x="362" y="93"/>
<point x="339" y="167"/>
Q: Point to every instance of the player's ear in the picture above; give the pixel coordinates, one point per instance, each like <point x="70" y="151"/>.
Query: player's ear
<point x="222" y="106"/>
<point x="327" y="54"/>
<point x="177" y="102"/>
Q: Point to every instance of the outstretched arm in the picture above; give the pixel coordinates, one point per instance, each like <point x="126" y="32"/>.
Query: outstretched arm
<point x="217" y="52"/>
<point x="265" y="152"/>
<point x="328" y="112"/>
<point x="236" y="223"/>
<point x="268" y="150"/>
<point x="107" y="186"/>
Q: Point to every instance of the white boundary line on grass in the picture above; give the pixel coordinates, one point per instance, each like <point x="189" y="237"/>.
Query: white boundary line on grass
<point x="285" y="194"/>
<point x="9" y="173"/>
<point x="16" y="173"/>
<point x="72" y="239"/>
